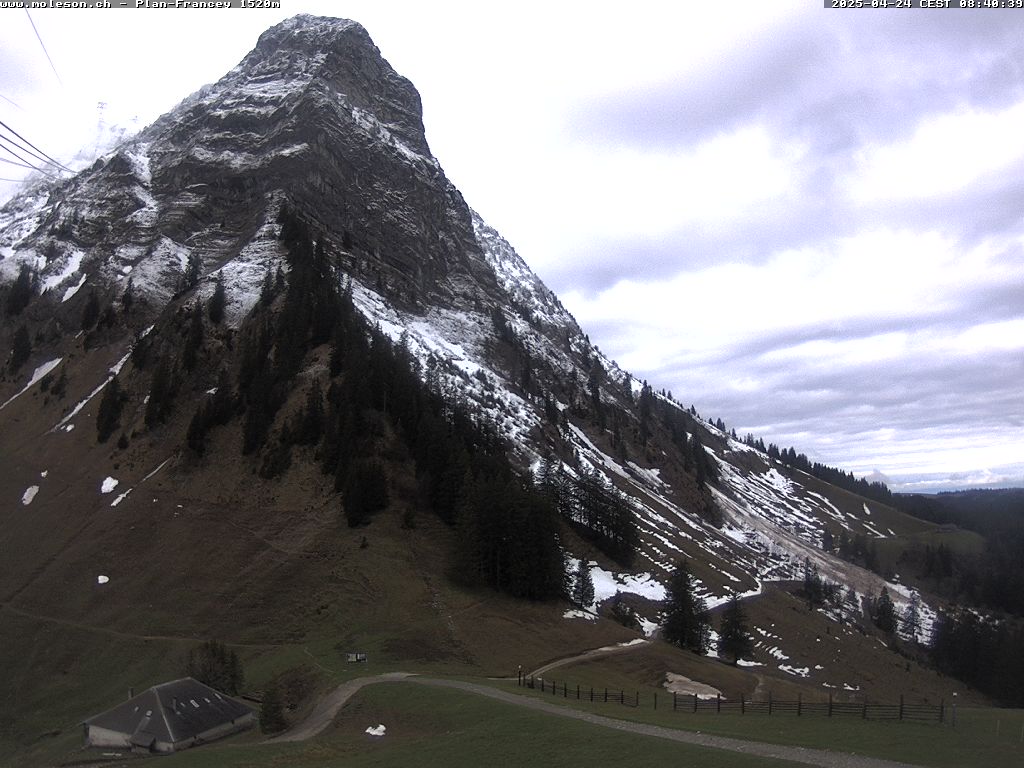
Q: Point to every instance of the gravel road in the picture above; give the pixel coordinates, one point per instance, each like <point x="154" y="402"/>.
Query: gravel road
<point x="325" y="711"/>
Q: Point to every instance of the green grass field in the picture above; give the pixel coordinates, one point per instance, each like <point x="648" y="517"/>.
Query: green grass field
<point x="427" y="726"/>
<point x="431" y="726"/>
<point x="982" y="737"/>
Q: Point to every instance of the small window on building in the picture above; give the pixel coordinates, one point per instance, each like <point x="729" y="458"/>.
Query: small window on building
<point x="194" y="704"/>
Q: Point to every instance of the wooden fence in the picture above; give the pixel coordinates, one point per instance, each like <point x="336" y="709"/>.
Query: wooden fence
<point x="922" y="713"/>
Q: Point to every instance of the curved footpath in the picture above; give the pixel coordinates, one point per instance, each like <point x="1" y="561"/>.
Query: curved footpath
<point x="591" y="654"/>
<point x="325" y="711"/>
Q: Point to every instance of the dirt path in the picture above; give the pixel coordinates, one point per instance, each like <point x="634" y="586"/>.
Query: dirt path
<point x="328" y="708"/>
<point x="588" y="655"/>
<point x="801" y="755"/>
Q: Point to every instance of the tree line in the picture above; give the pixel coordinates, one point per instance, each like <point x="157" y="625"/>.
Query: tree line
<point x="371" y="396"/>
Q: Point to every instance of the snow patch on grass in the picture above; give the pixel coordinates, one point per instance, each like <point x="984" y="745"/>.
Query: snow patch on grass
<point x="37" y="374"/>
<point x="576" y="613"/>
<point x="795" y="671"/>
<point x="29" y="494"/>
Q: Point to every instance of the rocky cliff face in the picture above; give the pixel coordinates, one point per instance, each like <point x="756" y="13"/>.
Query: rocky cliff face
<point x="314" y="118"/>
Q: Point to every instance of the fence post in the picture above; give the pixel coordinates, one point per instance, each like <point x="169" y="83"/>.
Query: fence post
<point x="718" y="703"/>
<point x="695" y="702"/>
<point x="636" y="702"/>
<point x="901" y="706"/>
<point x="673" y="701"/>
<point x="769" y="703"/>
<point x="591" y="694"/>
<point x="622" y="697"/>
<point x="655" y="700"/>
<point x="565" y="690"/>
<point x="605" y="695"/>
<point x="577" y="691"/>
<point x="830" y="703"/>
<point x="799" y="704"/>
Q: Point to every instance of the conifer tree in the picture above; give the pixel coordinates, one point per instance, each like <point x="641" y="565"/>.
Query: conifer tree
<point x="622" y="613"/>
<point x="217" y="301"/>
<point x="583" y="586"/>
<point x="827" y="542"/>
<point x="91" y="312"/>
<point x="215" y="665"/>
<point x="194" y="340"/>
<point x="851" y="605"/>
<point x="161" y="393"/>
<point x="910" y="621"/>
<point x="365" y="493"/>
<point x="685" y="620"/>
<point x="272" y="719"/>
<point x="128" y="297"/>
<point x="21" y="292"/>
<point x="192" y="269"/>
<point x="734" y="640"/>
<point x="21" y="348"/>
<point x="109" y="411"/>
<point x="885" y="612"/>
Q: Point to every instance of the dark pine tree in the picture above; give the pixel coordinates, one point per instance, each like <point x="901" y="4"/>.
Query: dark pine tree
<point x="21" y="348"/>
<point x="583" y="586"/>
<point x="21" y="292"/>
<point x="365" y="493"/>
<point x="215" y="665"/>
<point x="161" y="394"/>
<point x="192" y="270"/>
<point x="194" y="339"/>
<point x="91" y="312"/>
<point x="734" y="640"/>
<point x="685" y="619"/>
<point x="272" y="719"/>
<point x="885" y="612"/>
<point x="109" y="411"/>
<point x="217" y="302"/>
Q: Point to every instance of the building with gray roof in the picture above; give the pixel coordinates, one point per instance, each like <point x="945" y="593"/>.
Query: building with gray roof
<point x="168" y="718"/>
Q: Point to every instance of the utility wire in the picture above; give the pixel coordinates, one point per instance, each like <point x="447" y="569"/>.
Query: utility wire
<point x="15" y="162"/>
<point x="37" y="149"/>
<point x="25" y="161"/>
<point x="44" y="47"/>
<point x="11" y="102"/>
<point x="20" y="148"/>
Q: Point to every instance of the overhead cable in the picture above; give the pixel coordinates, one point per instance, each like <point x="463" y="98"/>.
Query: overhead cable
<point x="44" y="47"/>
<point x="25" y="161"/>
<point x="37" y="149"/>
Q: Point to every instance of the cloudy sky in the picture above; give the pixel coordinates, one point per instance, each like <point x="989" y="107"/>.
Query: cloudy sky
<point x="806" y="222"/>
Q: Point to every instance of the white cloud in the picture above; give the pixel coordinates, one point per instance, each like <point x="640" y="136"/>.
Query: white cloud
<point x="944" y="155"/>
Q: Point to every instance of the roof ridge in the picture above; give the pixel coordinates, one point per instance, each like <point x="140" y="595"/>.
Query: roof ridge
<point x="163" y="713"/>
<point x="173" y="682"/>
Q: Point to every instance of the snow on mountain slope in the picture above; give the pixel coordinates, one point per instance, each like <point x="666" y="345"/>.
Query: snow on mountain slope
<point x="313" y="118"/>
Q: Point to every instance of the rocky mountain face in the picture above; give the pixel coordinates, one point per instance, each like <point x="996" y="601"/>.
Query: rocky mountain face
<point x="314" y="120"/>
